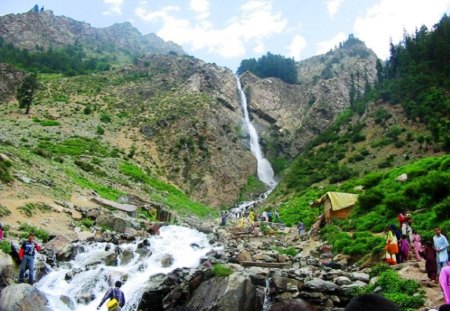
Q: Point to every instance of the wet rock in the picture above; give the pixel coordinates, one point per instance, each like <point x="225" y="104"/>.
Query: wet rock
<point x="61" y="246"/>
<point x="126" y="257"/>
<point x="68" y="302"/>
<point x="85" y="298"/>
<point x="22" y="297"/>
<point x="111" y="260"/>
<point x="167" y="261"/>
<point x="320" y="285"/>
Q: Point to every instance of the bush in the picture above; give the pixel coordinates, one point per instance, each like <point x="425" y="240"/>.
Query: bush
<point x="221" y="270"/>
<point x="5" y="246"/>
<point x="105" y="118"/>
<point x="5" y="175"/>
<point x="99" y="130"/>
<point x="30" y="208"/>
<point x="39" y="233"/>
<point x="370" y="199"/>
<point x="290" y="251"/>
<point x="4" y="211"/>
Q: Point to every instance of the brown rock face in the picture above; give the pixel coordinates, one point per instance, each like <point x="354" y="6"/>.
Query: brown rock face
<point x="289" y="116"/>
<point x="32" y="30"/>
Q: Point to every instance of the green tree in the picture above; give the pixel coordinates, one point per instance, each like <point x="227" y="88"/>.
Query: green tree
<point x="25" y="92"/>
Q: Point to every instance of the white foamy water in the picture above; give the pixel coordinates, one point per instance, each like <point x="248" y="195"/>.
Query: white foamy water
<point x="91" y="276"/>
<point x="265" y="171"/>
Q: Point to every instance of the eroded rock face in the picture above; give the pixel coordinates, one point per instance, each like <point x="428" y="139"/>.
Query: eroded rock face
<point x="10" y="79"/>
<point x="289" y="115"/>
<point x="22" y="297"/>
<point x="233" y="293"/>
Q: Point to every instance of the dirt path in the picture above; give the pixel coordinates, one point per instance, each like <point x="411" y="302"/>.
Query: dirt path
<point x="416" y="271"/>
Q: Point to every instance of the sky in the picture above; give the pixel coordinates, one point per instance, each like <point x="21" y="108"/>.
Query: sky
<point x="227" y="31"/>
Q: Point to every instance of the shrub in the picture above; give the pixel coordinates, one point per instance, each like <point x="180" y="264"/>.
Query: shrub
<point x="370" y="199"/>
<point x="49" y="123"/>
<point x="87" y="110"/>
<point x="372" y="179"/>
<point x="5" y="246"/>
<point x="39" y="233"/>
<point x="290" y="251"/>
<point x="4" y="211"/>
<point x="29" y="208"/>
<point x="5" y="175"/>
<point x="88" y="222"/>
<point x="221" y="270"/>
<point x="99" y="130"/>
<point x="105" y="118"/>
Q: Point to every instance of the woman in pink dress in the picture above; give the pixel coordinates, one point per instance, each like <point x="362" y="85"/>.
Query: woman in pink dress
<point x="417" y="244"/>
<point x="444" y="281"/>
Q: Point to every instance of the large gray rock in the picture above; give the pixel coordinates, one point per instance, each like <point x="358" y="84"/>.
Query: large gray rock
<point x="233" y="293"/>
<point x="22" y="297"/>
<point x="320" y="285"/>
<point x="6" y="270"/>
<point x="60" y="246"/>
<point x="115" y="222"/>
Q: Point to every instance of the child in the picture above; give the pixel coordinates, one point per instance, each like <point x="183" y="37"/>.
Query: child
<point x="417" y="244"/>
<point x="404" y="248"/>
<point x="429" y="255"/>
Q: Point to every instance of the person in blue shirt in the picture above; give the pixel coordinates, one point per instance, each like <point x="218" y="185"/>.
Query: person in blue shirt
<point x="114" y="293"/>
<point x="26" y="254"/>
<point x="440" y="246"/>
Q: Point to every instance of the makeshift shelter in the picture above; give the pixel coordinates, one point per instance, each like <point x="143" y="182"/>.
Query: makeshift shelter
<point x="336" y="204"/>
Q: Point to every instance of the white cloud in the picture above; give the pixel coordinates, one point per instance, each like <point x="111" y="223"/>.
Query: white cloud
<point x="333" y="6"/>
<point x="296" y="47"/>
<point x="201" y="8"/>
<point x="256" y="23"/>
<point x="115" y="7"/>
<point x="324" y="46"/>
<point x="388" y="20"/>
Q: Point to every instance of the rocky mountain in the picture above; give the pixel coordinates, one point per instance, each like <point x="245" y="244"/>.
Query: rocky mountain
<point x="291" y="115"/>
<point x="42" y="30"/>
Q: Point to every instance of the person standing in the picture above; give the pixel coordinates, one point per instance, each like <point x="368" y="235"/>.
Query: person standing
<point x="391" y="246"/>
<point x="417" y="244"/>
<point x="440" y="246"/>
<point x="444" y="281"/>
<point x="429" y="255"/>
<point x="301" y="228"/>
<point x="114" y="293"/>
<point x="26" y="254"/>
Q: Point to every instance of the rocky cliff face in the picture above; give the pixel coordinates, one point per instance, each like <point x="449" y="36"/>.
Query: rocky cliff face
<point x="291" y="115"/>
<point x="33" y="30"/>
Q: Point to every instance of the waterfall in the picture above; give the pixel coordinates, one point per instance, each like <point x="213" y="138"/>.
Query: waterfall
<point x="267" y="302"/>
<point x="265" y="171"/>
<point x="89" y="275"/>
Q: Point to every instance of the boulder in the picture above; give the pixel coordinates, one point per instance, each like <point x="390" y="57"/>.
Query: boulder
<point x="342" y="280"/>
<point x="6" y="270"/>
<point x="167" y="260"/>
<point x="23" y="297"/>
<point x="320" y="285"/>
<point x="61" y="247"/>
<point x="244" y="255"/>
<point x="115" y="222"/>
<point x="359" y="276"/>
<point x="233" y="293"/>
<point x="76" y="215"/>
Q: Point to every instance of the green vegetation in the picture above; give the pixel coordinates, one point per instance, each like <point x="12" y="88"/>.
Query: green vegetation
<point x="46" y="122"/>
<point x="417" y="75"/>
<point x="291" y="251"/>
<point x="4" y="211"/>
<point x="253" y="188"/>
<point x="88" y="222"/>
<point x="25" y="92"/>
<point x="5" y="175"/>
<point x="104" y="191"/>
<point x="405" y="293"/>
<point x="166" y="194"/>
<point x="30" y="208"/>
<point x="69" y="60"/>
<point x="75" y="146"/>
<point x="221" y="270"/>
<point x="41" y="234"/>
<point x="271" y="65"/>
<point x="5" y="247"/>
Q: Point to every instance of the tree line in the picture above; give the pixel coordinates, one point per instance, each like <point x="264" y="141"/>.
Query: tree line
<point x="69" y="60"/>
<point x="271" y="65"/>
<point x="417" y="75"/>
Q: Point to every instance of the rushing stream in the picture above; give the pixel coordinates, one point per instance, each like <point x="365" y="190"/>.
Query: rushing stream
<point x="136" y="263"/>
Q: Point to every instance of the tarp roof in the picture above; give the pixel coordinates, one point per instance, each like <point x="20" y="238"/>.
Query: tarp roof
<point x="339" y="200"/>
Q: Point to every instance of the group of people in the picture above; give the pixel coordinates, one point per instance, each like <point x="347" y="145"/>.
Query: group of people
<point x="249" y="216"/>
<point x="435" y="251"/>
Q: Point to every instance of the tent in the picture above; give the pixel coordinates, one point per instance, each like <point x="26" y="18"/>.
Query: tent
<point x="336" y="204"/>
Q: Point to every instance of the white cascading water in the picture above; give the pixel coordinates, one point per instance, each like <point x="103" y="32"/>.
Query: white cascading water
<point x="92" y="276"/>
<point x="265" y="171"/>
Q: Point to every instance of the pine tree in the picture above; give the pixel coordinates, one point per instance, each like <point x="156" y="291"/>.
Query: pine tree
<point x="25" y="92"/>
